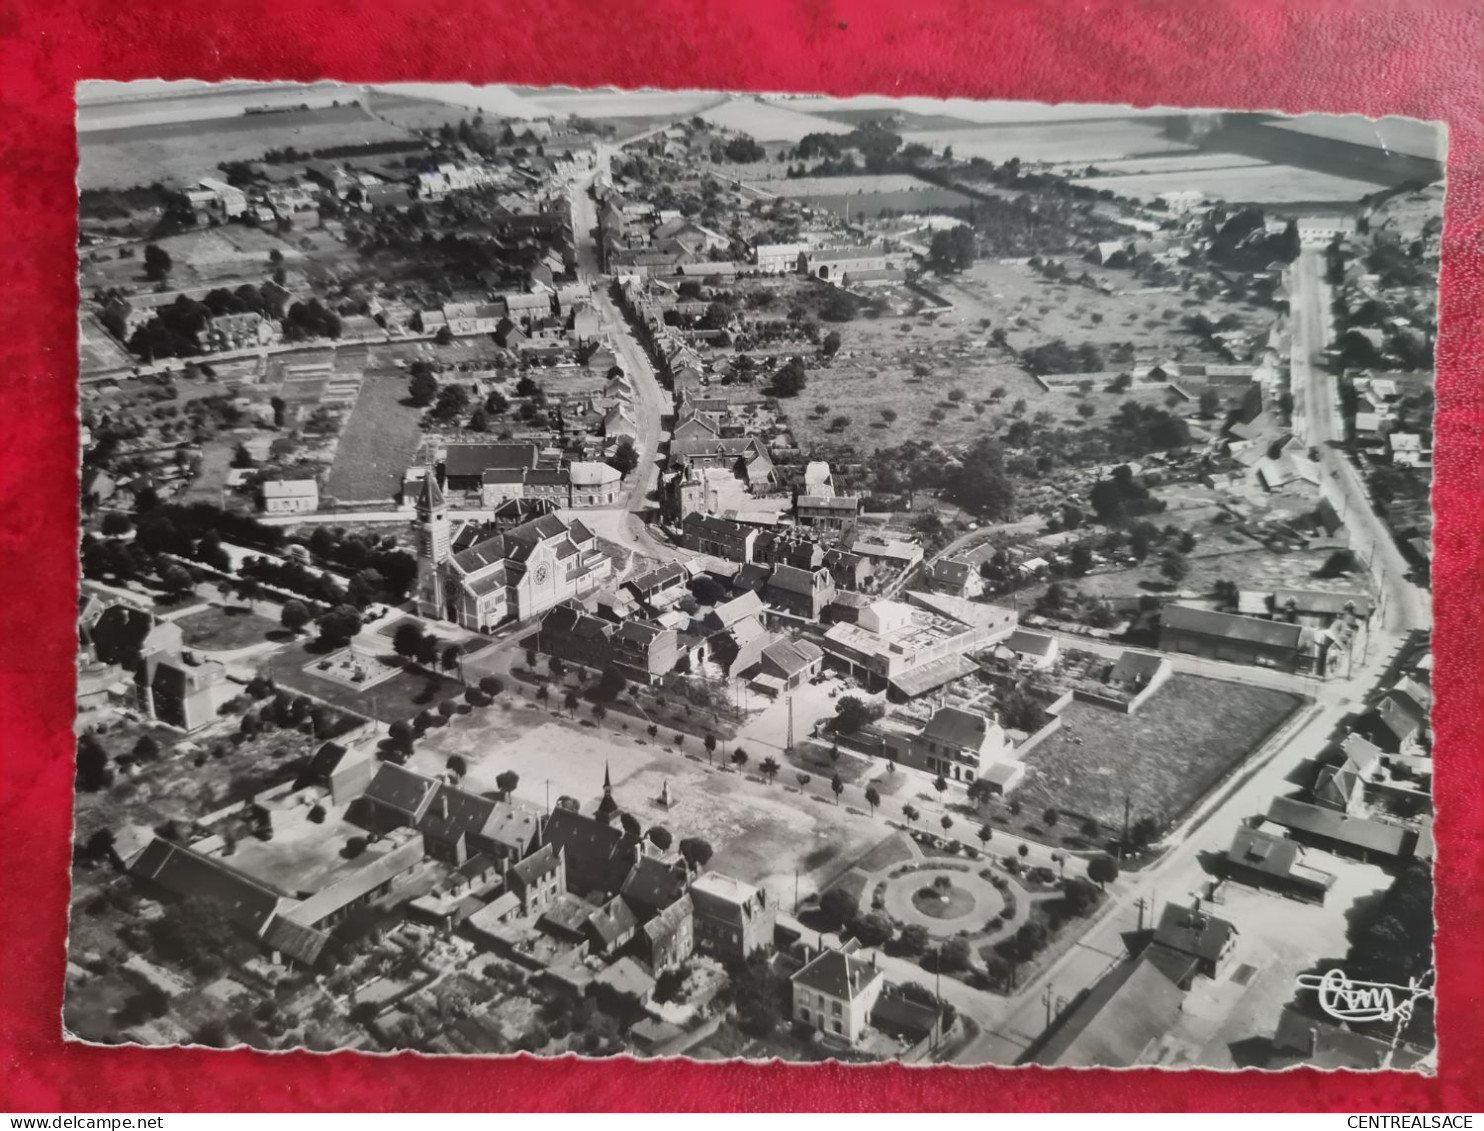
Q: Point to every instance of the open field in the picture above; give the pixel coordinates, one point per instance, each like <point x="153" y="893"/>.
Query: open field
<point x="867" y="195"/>
<point x="1054" y="142"/>
<point x="761" y="833"/>
<point x="378" y="443"/>
<point x="1260" y="184"/>
<point x="874" y="370"/>
<point x="96" y="347"/>
<point x="1184" y="740"/>
<point x="613" y="103"/>
<point x="969" y="111"/>
<point x="224" y="628"/>
<point x="105" y="104"/>
<point x="225" y="256"/>
<point x="1166" y="163"/>
<point x="767" y="121"/>
<point x="184" y="152"/>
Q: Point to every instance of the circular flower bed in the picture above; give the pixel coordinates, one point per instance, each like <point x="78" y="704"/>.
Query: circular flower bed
<point x="940" y="902"/>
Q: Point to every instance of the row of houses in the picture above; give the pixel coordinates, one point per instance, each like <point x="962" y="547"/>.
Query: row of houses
<point x="1300" y="631"/>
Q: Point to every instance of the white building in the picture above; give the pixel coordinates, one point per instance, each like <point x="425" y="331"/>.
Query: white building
<point x="290" y="496"/>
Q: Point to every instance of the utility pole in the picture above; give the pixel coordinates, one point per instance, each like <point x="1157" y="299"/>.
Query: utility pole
<point x="788" y="748"/>
<point x="1127" y="802"/>
<point x="1140" y="903"/>
<point x="1048" y="995"/>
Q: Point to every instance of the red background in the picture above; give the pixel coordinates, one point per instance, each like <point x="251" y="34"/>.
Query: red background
<point x="1421" y="59"/>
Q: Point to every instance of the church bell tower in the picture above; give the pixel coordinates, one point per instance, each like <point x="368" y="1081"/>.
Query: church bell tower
<point x="432" y="546"/>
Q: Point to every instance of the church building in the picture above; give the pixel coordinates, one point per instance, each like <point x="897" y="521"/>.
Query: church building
<point x="514" y="575"/>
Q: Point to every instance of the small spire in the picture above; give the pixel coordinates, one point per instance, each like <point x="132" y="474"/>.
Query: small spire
<point x="429" y="496"/>
<point x="607" y="780"/>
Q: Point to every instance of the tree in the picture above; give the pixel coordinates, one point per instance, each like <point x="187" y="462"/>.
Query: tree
<point x="853" y="713"/>
<point x="338" y="625"/>
<point x="911" y="813"/>
<point x="506" y="781"/>
<point x="952" y="249"/>
<point x="1078" y="897"/>
<point x="769" y="767"/>
<point x="295" y="616"/>
<point x="407" y="639"/>
<point x="1340" y="562"/>
<point x="599" y="712"/>
<point x="661" y="838"/>
<point x="790" y="379"/>
<point x="1051" y="817"/>
<point x="631" y="826"/>
<point x="1029" y="939"/>
<point x="695" y="851"/>
<point x="947" y="822"/>
<point x="889" y="415"/>
<point x="1081" y="559"/>
<point x="457" y="765"/>
<point x="422" y="385"/>
<point x="839" y="906"/>
<point x="984" y="834"/>
<point x="804" y="779"/>
<point x="176" y="581"/>
<point x="571" y="701"/>
<point x="624" y="458"/>
<point x="837" y="784"/>
<point x="913" y="939"/>
<point x="873" y="798"/>
<point x="1210" y="403"/>
<point x="830" y="346"/>
<point x="92" y="773"/>
<point x="492" y="685"/>
<point x="157" y="263"/>
<point x="452" y="654"/>
<point x="940" y="783"/>
<point x="1175" y="567"/>
<point x="1102" y="870"/>
<point x="710" y="743"/>
<point x="147" y="749"/>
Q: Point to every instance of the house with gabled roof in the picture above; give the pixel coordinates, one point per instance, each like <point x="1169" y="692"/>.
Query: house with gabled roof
<point x="835" y="993"/>
<point x="1265" y="860"/>
<point x="802" y="592"/>
<point x="599" y="856"/>
<point x="396" y="798"/>
<point x="668" y="939"/>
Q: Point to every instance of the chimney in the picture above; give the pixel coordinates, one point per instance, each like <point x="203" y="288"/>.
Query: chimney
<point x="443" y="804"/>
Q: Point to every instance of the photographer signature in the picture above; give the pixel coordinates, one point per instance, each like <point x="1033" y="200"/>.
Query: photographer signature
<point x="1345" y="1000"/>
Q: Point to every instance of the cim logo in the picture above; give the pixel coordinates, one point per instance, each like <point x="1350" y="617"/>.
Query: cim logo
<point x="1345" y="1000"/>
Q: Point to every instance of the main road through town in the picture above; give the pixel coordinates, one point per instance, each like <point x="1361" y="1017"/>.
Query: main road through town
<point x="1405" y="606"/>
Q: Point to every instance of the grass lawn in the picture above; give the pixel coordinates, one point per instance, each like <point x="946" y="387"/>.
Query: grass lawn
<point x="378" y="443"/>
<point x="222" y="629"/>
<point x="1189" y="736"/>
<point x="400" y="697"/>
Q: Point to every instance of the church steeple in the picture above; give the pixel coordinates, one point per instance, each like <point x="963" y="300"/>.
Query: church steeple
<point x="607" y="807"/>
<point x="432" y="520"/>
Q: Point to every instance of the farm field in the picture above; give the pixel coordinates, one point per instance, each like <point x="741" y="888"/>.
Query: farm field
<point x="1183" y="741"/>
<point x="378" y="442"/>
<point x="770" y="122"/>
<point x="229" y="255"/>
<point x="614" y="103"/>
<point x="964" y="110"/>
<point x="1168" y="163"/>
<point x="1052" y="142"/>
<point x="184" y="152"/>
<point x="104" y="104"/>
<point x="874" y="370"/>
<point x="96" y="347"/>
<point x="1259" y="184"/>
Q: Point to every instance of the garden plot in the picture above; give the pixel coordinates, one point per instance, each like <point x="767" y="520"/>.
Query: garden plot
<point x="1162" y="759"/>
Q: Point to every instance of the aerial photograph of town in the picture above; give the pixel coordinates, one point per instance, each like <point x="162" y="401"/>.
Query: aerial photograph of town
<point x="750" y="576"/>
